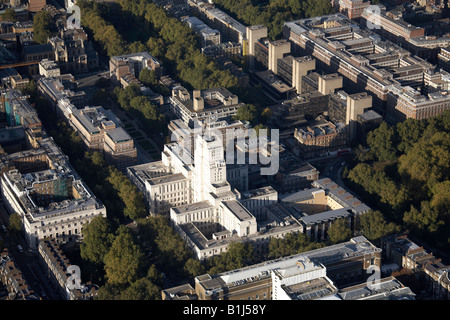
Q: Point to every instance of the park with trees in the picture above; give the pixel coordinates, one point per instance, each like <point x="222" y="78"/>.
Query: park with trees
<point x="404" y="173"/>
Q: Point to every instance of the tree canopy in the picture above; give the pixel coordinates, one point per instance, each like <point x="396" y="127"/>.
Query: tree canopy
<point x="404" y="173"/>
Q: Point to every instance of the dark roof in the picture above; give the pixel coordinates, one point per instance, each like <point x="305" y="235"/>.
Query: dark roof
<point x="37" y="48"/>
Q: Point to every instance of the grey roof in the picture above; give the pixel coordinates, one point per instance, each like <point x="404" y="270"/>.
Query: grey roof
<point x="326" y="215"/>
<point x="118" y="135"/>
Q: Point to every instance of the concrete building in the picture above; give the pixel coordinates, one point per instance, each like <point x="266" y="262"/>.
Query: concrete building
<point x="48" y="68"/>
<point x="254" y="34"/>
<point x="444" y="59"/>
<point x="300" y="68"/>
<point x="59" y="90"/>
<point x="295" y="112"/>
<point x="229" y="28"/>
<point x="357" y="104"/>
<point x="365" y="62"/>
<point x="322" y="204"/>
<point x="329" y="83"/>
<point x="393" y="27"/>
<point x="277" y="50"/>
<point x="330" y="269"/>
<point x="211" y="103"/>
<point x="407" y="102"/>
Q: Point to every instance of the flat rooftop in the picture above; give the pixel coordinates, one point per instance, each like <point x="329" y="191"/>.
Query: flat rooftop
<point x="238" y="209"/>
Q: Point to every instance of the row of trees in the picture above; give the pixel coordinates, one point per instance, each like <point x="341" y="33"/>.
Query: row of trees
<point x="169" y="40"/>
<point x="132" y="100"/>
<point x="405" y="173"/>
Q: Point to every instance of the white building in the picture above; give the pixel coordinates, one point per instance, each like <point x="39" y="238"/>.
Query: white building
<point x="49" y="68"/>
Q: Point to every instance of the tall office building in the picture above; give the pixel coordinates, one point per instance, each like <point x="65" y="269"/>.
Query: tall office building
<point x="277" y="50"/>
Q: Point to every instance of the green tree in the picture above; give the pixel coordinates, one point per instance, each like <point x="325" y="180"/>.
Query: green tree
<point x="9" y="15"/>
<point x="238" y="255"/>
<point x="141" y="289"/>
<point x="424" y="221"/>
<point x="97" y="238"/>
<point x="381" y="142"/>
<point x="292" y="243"/>
<point x="373" y="225"/>
<point x="123" y="262"/>
<point x="43" y="26"/>
<point x="148" y="77"/>
<point x="15" y="223"/>
<point x="247" y="112"/>
<point x="339" y="231"/>
<point x="428" y="161"/>
<point x="315" y="8"/>
<point x="194" y="268"/>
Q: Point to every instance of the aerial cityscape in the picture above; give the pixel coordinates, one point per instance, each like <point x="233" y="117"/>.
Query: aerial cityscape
<point x="191" y="150"/>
